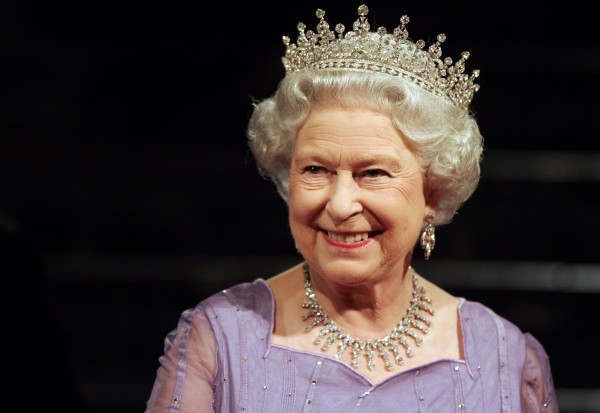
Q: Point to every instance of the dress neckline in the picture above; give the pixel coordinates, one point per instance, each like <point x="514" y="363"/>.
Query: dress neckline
<point x="464" y="343"/>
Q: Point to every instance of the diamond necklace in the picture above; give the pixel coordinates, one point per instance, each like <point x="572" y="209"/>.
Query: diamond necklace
<point x="414" y="321"/>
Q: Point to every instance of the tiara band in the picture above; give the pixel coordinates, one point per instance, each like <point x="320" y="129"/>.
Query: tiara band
<point x="381" y="52"/>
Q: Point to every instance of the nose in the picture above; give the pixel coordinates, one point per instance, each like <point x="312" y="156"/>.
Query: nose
<point x="343" y="202"/>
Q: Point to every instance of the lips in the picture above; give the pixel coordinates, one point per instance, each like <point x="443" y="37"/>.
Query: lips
<point x="348" y="238"/>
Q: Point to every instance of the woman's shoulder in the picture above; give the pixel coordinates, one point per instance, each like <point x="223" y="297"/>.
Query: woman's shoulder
<point x="248" y="303"/>
<point x="243" y="311"/>
<point x="485" y="319"/>
<point x="486" y="332"/>
<point x="225" y="306"/>
<point x="520" y="353"/>
<point x="245" y="296"/>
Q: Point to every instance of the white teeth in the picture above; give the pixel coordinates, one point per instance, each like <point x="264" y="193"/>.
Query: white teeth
<point x="348" y="238"/>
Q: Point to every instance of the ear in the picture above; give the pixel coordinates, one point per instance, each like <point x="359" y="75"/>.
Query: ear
<point x="432" y="200"/>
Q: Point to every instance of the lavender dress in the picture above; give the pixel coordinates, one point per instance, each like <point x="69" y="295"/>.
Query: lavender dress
<point x="220" y="359"/>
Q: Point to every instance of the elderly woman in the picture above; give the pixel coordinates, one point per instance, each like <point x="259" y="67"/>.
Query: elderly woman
<point x="370" y="141"/>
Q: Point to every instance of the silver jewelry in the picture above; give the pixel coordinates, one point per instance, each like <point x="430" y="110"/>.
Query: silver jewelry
<point x="413" y="322"/>
<point x="428" y="236"/>
<point x="392" y="53"/>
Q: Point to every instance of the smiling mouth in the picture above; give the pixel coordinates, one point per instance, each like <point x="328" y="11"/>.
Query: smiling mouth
<point x="348" y="238"/>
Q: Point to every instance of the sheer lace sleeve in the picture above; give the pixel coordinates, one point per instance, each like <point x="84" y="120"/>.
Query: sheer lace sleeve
<point x="185" y="377"/>
<point x="537" y="391"/>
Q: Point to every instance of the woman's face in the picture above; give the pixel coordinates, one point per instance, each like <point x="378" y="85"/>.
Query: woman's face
<point x="357" y="201"/>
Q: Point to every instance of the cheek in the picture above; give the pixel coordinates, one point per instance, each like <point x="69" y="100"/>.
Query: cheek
<point x="412" y="189"/>
<point x="401" y="211"/>
<point x="295" y="198"/>
<point x="304" y="200"/>
<point x="404" y="198"/>
<point x="301" y="216"/>
<point x="299" y="208"/>
<point x="410" y="196"/>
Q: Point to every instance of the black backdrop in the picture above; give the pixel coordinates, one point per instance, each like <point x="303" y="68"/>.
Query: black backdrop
<point x="124" y="161"/>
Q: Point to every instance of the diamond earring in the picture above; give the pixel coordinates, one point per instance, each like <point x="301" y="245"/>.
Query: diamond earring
<point x="428" y="236"/>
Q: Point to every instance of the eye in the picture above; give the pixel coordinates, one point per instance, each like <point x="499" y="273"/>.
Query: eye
<point x="374" y="173"/>
<point x="314" y="170"/>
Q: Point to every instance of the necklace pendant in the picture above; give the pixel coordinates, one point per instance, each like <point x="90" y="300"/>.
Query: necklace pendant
<point x="370" y="364"/>
<point x="397" y="357"/>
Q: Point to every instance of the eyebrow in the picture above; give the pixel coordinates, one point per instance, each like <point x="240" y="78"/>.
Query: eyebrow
<point x="363" y="160"/>
<point x="382" y="158"/>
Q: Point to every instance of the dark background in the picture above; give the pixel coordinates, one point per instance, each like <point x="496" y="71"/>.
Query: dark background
<point x="130" y="195"/>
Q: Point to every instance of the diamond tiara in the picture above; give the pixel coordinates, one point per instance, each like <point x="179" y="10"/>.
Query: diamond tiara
<point x="381" y="52"/>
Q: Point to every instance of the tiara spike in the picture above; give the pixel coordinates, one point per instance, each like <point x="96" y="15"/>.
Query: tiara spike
<point x="381" y="52"/>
